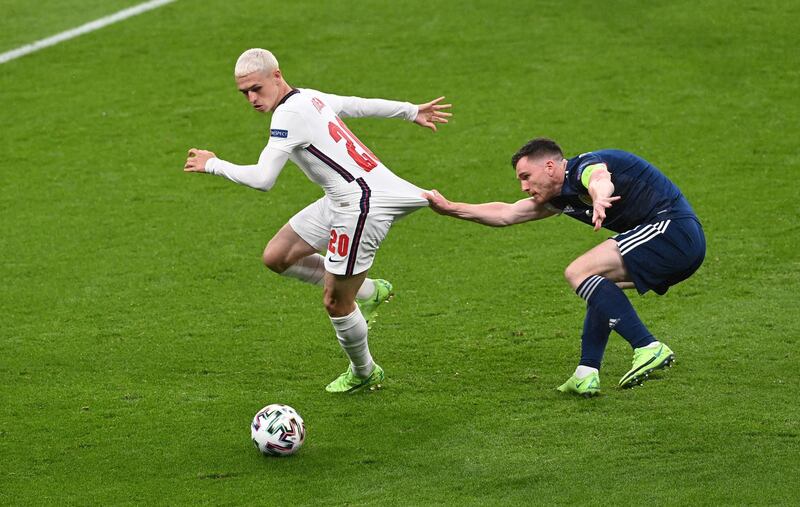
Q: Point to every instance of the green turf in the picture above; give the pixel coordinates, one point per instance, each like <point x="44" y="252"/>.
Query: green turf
<point x="139" y="332"/>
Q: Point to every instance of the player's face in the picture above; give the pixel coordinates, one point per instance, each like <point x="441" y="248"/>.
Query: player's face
<point x="262" y="89"/>
<point x="539" y="178"/>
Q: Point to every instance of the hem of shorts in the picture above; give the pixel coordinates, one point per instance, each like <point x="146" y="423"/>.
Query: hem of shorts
<point x="310" y="243"/>
<point x="345" y="271"/>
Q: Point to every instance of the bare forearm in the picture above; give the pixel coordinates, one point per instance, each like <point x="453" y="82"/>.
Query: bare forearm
<point x="601" y="189"/>
<point x="493" y="214"/>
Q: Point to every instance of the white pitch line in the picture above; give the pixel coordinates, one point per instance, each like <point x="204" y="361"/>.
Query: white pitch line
<point x="88" y="27"/>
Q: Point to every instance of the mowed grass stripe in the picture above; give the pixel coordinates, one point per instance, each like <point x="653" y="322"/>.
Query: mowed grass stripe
<point x="23" y="22"/>
<point x="83" y="29"/>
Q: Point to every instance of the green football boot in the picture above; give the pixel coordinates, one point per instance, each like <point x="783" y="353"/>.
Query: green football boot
<point x="348" y="382"/>
<point x="369" y="306"/>
<point x="587" y="386"/>
<point x="645" y="361"/>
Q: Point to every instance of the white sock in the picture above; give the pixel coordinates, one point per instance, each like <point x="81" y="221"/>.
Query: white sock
<point x="311" y="269"/>
<point x="351" y="330"/>
<point x="367" y="289"/>
<point x="652" y="345"/>
<point x="582" y="371"/>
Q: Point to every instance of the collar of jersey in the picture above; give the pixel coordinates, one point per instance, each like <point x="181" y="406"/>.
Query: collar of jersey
<point x="286" y="97"/>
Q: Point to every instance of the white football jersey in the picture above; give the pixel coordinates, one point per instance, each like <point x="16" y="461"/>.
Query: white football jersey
<point x="307" y="126"/>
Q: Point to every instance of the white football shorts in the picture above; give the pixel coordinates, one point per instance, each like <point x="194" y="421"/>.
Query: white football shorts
<point x="350" y="232"/>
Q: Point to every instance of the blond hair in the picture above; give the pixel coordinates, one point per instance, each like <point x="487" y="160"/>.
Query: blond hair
<point x="255" y="60"/>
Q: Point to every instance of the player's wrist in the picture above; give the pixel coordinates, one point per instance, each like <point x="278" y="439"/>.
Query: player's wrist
<point x="411" y="111"/>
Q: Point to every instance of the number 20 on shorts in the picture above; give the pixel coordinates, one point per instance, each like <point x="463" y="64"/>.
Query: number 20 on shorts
<point x="339" y="244"/>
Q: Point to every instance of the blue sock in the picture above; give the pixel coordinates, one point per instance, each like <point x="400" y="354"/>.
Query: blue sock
<point x="615" y="309"/>
<point x="594" y="338"/>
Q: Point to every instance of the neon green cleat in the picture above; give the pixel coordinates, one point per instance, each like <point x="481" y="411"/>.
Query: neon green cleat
<point x="587" y="386"/>
<point x="348" y="382"/>
<point x="645" y="361"/>
<point x="369" y="306"/>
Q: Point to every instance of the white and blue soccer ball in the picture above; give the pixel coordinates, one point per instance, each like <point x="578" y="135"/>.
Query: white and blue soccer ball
<point x="278" y="430"/>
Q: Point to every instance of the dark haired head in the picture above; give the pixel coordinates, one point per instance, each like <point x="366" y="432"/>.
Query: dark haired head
<point x="541" y="146"/>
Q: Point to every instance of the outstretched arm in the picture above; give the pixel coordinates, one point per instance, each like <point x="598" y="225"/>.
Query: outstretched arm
<point x="425" y="115"/>
<point x="494" y="214"/>
<point x="260" y="176"/>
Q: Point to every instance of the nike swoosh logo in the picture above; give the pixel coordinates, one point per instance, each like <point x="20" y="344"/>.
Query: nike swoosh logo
<point x="580" y="383"/>
<point x="335" y="260"/>
<point x="640" y="368"/>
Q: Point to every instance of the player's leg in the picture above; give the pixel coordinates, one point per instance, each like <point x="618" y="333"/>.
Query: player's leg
<point x="586" y="380"/>
<point x="596" y="276"/>
<point x="653" y="257"/>
<point x="351" y="332"/>
<point x="290" y="255"/>
<point x="293" y="252"/>
<point x="603" y="260"/>
<point x="356" y="234"/>
<point x="658" y="256"/>
<point x="286" y="254"/>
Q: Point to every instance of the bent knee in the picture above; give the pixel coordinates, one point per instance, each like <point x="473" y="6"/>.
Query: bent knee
<point x="274" y="261"/>
<point x="575" y="274"/>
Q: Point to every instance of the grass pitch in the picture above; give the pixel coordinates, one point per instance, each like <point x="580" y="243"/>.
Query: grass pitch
<point x="140" y="333"/>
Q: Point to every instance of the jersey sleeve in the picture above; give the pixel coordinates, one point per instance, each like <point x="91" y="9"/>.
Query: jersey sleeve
<point x="357" y="107"/>
<point x="261" y="176"/>
<point x="588" y="163"/>
<point x="335" y="102"/>
<point x="288" y="131"/>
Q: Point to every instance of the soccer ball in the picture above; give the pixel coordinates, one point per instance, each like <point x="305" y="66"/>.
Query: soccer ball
<point x="278" y="430"/>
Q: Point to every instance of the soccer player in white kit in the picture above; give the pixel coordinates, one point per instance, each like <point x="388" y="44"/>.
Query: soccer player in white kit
<point x="362" y="198"/>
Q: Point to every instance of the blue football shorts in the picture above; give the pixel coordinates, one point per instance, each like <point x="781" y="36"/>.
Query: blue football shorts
<point x="661" y="254"/>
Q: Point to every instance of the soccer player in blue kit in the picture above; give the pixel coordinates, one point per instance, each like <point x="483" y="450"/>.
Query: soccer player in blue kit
<point x="660" y="242"/>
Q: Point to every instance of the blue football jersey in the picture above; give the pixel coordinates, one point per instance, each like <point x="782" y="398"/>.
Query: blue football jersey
<point x="647" y="195"/>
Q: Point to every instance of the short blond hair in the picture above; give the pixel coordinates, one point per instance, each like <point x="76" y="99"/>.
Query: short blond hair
<point x="255" y="60"/>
